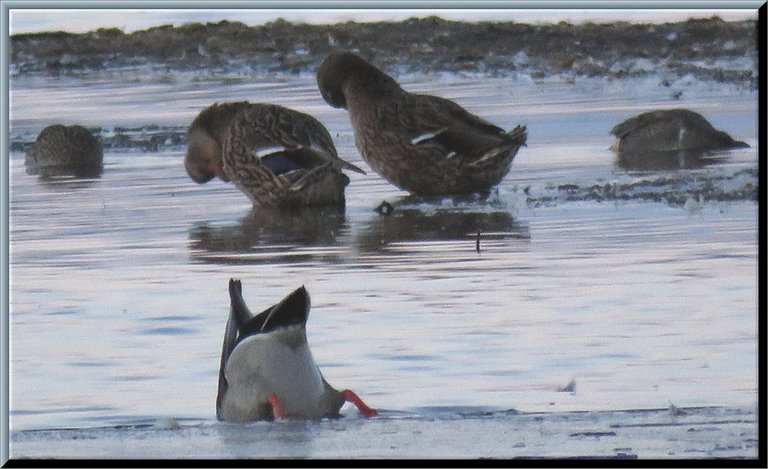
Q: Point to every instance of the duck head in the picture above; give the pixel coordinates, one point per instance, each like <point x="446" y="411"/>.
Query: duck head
<point x="338" y="68"/>
<point x="203" y="160"/>
<point x="205" y="135"/>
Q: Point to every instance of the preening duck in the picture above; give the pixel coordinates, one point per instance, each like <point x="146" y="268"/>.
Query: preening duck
<point x="424" y="144"/>
<point x="267" y="369"/>
<point x="275" y="155"/>
<point x="61" y="150"/>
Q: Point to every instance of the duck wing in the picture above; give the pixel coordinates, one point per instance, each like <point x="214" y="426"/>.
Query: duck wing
<point x="440" y="121"/>
<point x="284" y="140"/>
<point x="652" y="122"/>
<point x="293" y="310"/>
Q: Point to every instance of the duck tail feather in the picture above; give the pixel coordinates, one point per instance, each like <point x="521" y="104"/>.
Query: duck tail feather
<point x="228" y="344"/>
<point x="518" y="134"/>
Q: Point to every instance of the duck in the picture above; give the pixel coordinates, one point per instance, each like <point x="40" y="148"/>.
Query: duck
<point x="670" y="130"/>
<point x="424" y="144"/>
<point x="65" y="150"/>
<point x="276" y="156"/>
<point x="267" y="370"/>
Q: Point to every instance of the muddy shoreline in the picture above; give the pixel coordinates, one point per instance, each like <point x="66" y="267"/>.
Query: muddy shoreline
<point x="707" y="49"/>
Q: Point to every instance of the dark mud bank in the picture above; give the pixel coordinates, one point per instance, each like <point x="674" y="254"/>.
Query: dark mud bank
<point x="708" y="49"/>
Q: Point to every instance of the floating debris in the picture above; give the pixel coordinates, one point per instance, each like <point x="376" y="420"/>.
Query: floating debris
<point x="694" y="206"/>
<point x="570" y="387"/>
<point x="593" y="434"/>
<point x="166" y="423"/>
<point x="385" y="208"/>
<point x="675" y="411"/>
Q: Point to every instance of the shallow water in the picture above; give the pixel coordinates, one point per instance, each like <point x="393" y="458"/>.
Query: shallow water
<point x="434" y="433"/>
<point x="119" y="285"/>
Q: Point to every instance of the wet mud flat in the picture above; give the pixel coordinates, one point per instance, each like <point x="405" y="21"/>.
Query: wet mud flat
<point x="433" y="433"/>
<point x="706" y="49"/>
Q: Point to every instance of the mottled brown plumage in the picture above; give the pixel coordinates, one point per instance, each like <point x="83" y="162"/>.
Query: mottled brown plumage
<point x="65" y="151"/>
<point x="276" y="156"/>
<point x="424" y="144"/>
<point x="670" y="130"/>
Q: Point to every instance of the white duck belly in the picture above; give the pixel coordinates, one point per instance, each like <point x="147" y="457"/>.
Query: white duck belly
<point x="278" y="362"/>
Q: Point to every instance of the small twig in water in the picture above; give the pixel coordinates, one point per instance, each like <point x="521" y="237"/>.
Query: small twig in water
<point x="385" y="208"/>
<point x="675" y="411"/>
<point x="570" y="387"/>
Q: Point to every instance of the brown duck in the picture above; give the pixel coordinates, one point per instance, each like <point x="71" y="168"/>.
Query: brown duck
<point x="61" y="150"/>
<point x="670" y="130"/>
<point x="424" y="144"/>
<point x="277" y="156"/>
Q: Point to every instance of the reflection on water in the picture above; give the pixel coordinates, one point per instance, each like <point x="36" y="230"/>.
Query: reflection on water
<point x="668" y="160"/>
<point x="415" y="225"/>
<point x="65" y="172"/>
<point x="322" y="233"/>
<point x="66" y="181"/>
<point x="263" y="232"/>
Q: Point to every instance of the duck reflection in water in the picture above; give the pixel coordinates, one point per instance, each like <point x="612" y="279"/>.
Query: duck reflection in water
<point x="268" y="231"/>
<point x="403" y="221"/>
<point x="668" y="160"/>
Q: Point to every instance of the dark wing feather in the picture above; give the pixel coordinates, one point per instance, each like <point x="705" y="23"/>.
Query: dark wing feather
<point x="292" y="310"/>
<point x="672" y="118"/>
<point x="640" y="121"/>
<point x="300" y="137"/>
<point x="454" y="127"/>
<point x="238" y="316"/>
<point x="239" y="312"/>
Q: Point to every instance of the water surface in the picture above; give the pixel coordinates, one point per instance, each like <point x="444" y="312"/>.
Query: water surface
<point x="118" y="286"/>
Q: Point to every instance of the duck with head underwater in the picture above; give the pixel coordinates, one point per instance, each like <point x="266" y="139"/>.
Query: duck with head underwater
<point x="267" y="369"/>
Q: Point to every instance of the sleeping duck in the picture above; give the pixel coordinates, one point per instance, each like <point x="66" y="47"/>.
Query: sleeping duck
<point x="669" y="131"/>
<point x="276" y="156"/>
<point x="424" y="144"/>
<point x="267" y="370"/>
<point x="61" y="150"/>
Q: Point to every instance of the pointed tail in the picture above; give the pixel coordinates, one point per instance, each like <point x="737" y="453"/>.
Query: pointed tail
<point x="518" y="135"/>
